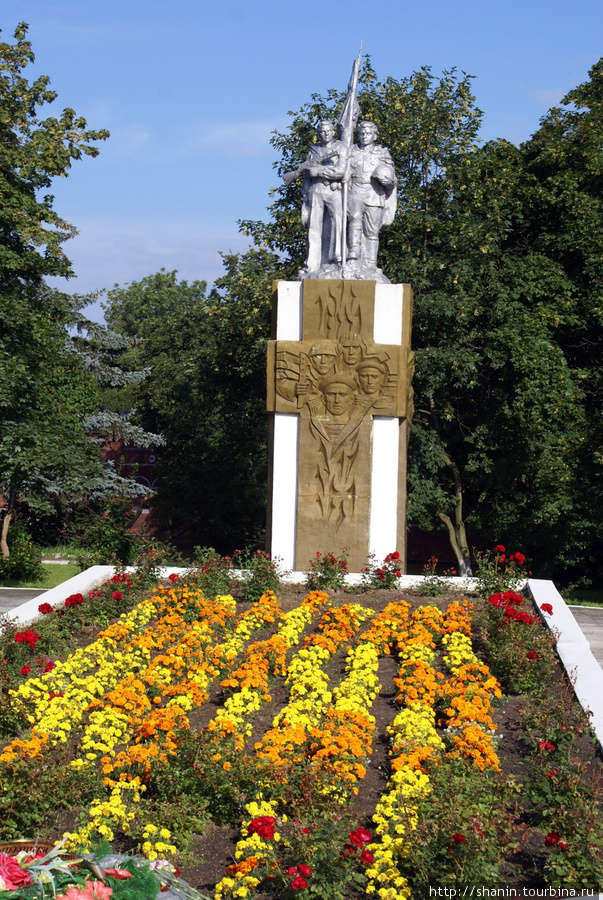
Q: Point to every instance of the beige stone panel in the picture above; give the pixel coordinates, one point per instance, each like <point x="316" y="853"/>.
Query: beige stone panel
<point x="333" y="309"/>
<point x="333" y="488"/>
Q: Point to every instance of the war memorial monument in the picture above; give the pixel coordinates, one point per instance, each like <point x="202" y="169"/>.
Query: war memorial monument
<point x="339" y="363"/>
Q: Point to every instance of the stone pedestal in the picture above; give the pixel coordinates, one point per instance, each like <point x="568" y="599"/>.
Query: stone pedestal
<point x="340" y="397"/>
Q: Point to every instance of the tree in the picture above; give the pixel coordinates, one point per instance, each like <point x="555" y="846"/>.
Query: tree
<point x="44" y="393"/>
<point x="33" y="151"/>
<point x="205" y="394"/>
<point x="501" y="424"/>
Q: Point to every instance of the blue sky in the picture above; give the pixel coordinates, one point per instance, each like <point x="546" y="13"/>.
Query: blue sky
<point x="191" y="91"/>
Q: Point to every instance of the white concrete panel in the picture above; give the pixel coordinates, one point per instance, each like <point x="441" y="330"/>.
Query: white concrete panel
<point x="284" y="487"/>
<point x="388" y="314"/>
<point x="574" y="651"/>
<point x="289" y="311"/>
<point x="384" y="486"/>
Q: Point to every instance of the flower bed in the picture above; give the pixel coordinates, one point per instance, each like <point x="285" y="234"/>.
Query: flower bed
<point x="332" y="746"/>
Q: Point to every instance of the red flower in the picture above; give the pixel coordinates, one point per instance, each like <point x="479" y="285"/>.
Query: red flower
<point x="25" y="670"/>
<point x="362" y="835"/>
<point x="547" y="608"/>
<point x="459" y="838"/>
<point x="304" y="870"/>
<point x="92" y="594"/>
<point x="12" y="874"/>
<point x="27" y="637"/>
<point x="545" y="745"/>
<point x="117" y="595"/>
<point x="299" y="883"/>
<point x="45" y="608"/>
<point x="562" y="845"/>
<point x="117" y="578"/>
<point x="174" y="577"/>
<point x="367" y="857"/>
<point x="552" y="773"/>
<point x="518" y="558"/>
<point x="119" y="873"/>
<point x="551" y="839"/>
<point x="49" y="665"/>
<point x="533" y="654"/>
<point x="499" y="549"/>
<point x="265" y="826"/>
<point x="292" y="870"/>
<point x="77" y="599"/>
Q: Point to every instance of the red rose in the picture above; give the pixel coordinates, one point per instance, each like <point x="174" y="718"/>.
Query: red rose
<point x="367" y="857"/>
<point x="551" y="839"/>
<point x="117" y="595"/>
<point x="117" y="578"/>
<point x="265" y="826"/>
<point x="93" y="594"/>
<point x="299" y="883"/>
<point x="304" y="870"/>
<point x="12" y="874"/>
<point x="173" y="577"/>
<point x="76" y="599"/>
<point x="547" y="608"/>
<point x="459" y="839"/>
<point x="533" y="654"/>
<point x="519" y="558"/>
<point x="499" y="549"/>
<point x="25" y="670"/>
<point x="292" y="870"/>
<point x="562" y="845"/>
<point x="545" y="745"/>
<point x="45" y="608"/>
<point x="364" y="835"/>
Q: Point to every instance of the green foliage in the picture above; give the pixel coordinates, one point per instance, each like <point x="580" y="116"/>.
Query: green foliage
<point x="105" y="537"/>
<point x="327" y="571"/>
<point x="260" y="573"/>
<point x="434" y="585"/>
<point x="205" y="394"/>
<point x="463" y="837"/>
<point x="498" y="571"/>
<point x="384" y="574"/>
<point x="520" y="652"/>
<point x="33" y="151"/>
<point x="25" y="560"/>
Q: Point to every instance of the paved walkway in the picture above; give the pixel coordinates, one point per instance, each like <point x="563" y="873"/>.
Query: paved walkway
<point x="590" y="620"/>
<point x="12" y="597"/>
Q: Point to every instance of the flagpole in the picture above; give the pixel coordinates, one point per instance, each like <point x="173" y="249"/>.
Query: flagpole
<point x="347" y="121"/>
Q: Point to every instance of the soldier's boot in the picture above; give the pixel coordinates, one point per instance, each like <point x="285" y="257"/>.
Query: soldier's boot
<point x="371" y="250"/>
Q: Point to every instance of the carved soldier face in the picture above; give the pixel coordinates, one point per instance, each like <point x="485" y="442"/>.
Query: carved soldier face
<point x="351" y="351"/>
<point x="338" y="398"/>
<point x="325" y="131"/>
<point x="367" y="134"/>
<point x="371" y="379"/>
<point x="323" y="361"/>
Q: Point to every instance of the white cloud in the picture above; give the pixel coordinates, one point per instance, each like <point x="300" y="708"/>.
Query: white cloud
<point x="237" y="139"/>
<point x="548" y="96"/>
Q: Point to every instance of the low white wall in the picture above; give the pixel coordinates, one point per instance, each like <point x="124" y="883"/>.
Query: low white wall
<point x="584" y="671"/>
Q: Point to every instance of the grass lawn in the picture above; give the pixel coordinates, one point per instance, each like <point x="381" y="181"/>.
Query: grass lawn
<point x="53" y="575"/>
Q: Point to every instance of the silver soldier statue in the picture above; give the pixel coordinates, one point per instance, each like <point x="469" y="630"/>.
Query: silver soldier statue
<point x="371" y="200"/>
<point x="349" y="194"/>
<point x="322" y="211"/>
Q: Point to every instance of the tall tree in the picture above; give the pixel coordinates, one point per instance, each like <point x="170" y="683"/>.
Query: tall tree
<point x="205" y="394"/>
<point x="496" y="443"/>
<point x="43" y="391"/>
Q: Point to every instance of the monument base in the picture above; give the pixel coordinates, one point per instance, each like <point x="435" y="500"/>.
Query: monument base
<point x="339" y="394"/>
